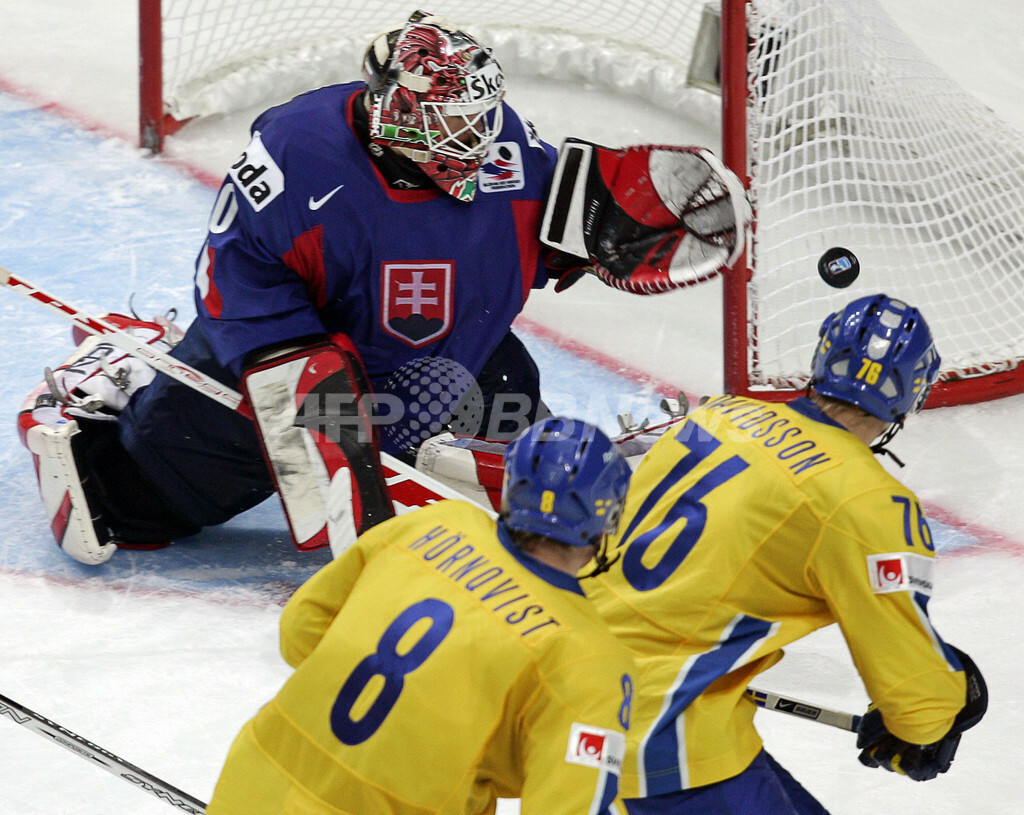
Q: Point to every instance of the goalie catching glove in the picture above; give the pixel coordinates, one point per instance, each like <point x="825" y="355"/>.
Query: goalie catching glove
<point x="645" y="219"/>
<point x="922" y="762"/>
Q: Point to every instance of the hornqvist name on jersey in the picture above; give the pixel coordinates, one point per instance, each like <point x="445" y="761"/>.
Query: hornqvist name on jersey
<point x="458" y="561"/>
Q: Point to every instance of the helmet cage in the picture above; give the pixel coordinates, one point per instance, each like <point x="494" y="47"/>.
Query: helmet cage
<point x="435" y="96"/>
<point x="465" y="130"/>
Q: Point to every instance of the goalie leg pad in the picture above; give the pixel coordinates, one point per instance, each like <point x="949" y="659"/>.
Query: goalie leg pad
<point x="47" y="434"/>
<point x="473" y="467"/>
<point x="317" y="436"/>
<point x="96" y="498"/>
<point x="66" y="423"/>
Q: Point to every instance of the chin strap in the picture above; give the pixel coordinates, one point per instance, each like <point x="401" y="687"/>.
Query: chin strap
<point x="602" y="563"/>
<point x="879" y="447"/>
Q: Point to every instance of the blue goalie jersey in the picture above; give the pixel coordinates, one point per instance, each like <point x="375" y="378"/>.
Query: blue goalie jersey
<point x="307" y="238"/>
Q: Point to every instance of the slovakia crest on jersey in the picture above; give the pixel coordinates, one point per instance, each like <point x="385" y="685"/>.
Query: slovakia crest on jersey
<point x="416" y="300"/>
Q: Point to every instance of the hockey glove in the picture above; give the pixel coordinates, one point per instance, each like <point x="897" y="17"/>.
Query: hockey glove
<point x="566" y="268"/>
<point x="646" y="218"/>
<point x="922" y="762"/>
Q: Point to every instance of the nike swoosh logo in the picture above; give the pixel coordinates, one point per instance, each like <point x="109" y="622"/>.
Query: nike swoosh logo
<point x="316" y="203"/>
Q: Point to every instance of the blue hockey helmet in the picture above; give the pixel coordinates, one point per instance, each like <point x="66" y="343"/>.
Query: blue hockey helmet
<point x="878" y="354"/>
<point x="565" y="480"/>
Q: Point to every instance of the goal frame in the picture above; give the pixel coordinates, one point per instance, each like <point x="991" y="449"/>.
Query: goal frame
<point x="154" y="123"/>
<point x="739" y="352"/>
<point x="736" y="307"/>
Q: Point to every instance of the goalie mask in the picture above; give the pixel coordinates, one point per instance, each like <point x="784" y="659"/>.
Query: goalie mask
<point x="435" y="97"/>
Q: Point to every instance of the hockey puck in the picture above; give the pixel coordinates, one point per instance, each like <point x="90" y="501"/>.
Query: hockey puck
<point x="838" y="267"/>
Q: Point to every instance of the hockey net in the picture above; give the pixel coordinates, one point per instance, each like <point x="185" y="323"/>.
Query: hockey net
<point x="848" y="134"/>
<point x="853" y="138"/>
<point x="203" y="57"/>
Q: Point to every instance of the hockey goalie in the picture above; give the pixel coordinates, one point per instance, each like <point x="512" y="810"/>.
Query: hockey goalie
<point x="364" y="261"/>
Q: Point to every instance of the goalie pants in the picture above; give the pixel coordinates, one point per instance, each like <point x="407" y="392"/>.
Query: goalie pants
<point x="206" y="459"/>
<point x="764" y="788"/>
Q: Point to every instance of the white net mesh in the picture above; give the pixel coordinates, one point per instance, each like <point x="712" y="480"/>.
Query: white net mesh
<point x="222" y="55"/>
<point x="857" y="140"/>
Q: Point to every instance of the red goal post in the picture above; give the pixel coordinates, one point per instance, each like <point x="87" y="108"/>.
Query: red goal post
<point x="845" y="132"/>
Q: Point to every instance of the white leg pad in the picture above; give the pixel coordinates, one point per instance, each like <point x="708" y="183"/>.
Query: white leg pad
<point x="61" y="489"/>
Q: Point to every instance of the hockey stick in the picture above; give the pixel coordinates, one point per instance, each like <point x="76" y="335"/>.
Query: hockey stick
<point x="102" y="758"/>
<point x="407" y="486"/>
<point x="805" y="710"/>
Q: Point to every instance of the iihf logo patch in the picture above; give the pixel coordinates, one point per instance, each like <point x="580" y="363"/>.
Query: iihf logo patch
<point x="502" y="169"/>
<point x="596" y="747"/>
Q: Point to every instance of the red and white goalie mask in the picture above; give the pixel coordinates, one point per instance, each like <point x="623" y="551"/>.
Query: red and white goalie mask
<point x="435" y="96"/>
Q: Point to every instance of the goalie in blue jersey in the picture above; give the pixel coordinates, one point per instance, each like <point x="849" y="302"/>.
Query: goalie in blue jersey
<point x="365" y="259"/>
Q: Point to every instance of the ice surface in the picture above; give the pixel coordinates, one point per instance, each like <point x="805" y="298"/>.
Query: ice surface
<point x="160" y="657"/>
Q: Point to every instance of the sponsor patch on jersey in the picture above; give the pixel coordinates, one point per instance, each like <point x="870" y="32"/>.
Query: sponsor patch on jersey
<point x="502" y="168"/>
<point x="596" y="747"/>
<point x="256" y="175"/>
<point x="901" y="571"/>
<point x="417" y="300"/>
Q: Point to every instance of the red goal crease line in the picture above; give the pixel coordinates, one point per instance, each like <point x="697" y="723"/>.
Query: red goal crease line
<point x="988" y="539"/>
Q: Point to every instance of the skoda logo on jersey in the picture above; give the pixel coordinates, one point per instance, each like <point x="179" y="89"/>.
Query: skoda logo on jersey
<point x="256" y="175"/>
<point x="502" y="169"/>
<point x="416" y="300"/>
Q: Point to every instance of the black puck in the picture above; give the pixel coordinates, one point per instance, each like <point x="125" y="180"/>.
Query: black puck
<point x="838" y="267"/>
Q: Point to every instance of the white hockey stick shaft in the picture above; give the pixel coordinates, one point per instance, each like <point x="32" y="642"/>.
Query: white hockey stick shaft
<point x="804" y="710"/>
<point x="160" y="360"/>
<point x="99" y="757"/>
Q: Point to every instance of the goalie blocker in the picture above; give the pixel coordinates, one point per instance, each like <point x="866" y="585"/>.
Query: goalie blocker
<point x="317" y="436"/>
<point x="645" y="219"/>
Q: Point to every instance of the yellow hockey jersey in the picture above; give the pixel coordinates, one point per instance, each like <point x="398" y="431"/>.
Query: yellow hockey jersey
<point x="437" y="668"/>
<point x="746" y="528"/>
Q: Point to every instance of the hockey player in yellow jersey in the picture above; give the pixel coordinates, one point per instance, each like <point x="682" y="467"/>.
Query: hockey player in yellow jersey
<point x="448" y="659"/>
<point x="753" y="524"/>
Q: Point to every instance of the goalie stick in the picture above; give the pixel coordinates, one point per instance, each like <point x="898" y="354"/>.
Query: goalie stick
<point x="96" y="755"/>
<point x="805" y="710"/>
<point x="407" y="487"/>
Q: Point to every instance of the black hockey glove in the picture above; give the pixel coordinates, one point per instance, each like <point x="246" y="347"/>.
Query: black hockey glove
<point x="922" y="762"/>
<point x="566" y="268"/>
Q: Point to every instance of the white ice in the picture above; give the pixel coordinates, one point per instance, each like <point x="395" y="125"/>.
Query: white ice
<point x="160" y="657"/>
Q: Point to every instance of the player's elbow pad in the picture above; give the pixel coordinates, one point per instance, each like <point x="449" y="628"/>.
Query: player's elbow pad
<point x="923" y="762"/>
